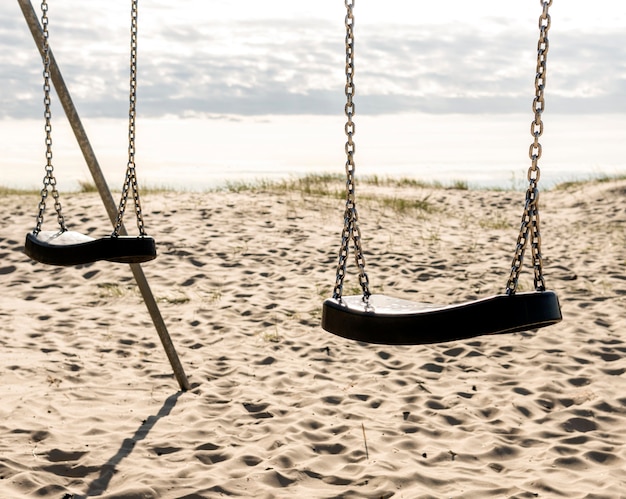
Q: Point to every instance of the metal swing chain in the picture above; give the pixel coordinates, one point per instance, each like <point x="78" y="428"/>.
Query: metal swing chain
<point x="130" y="181"/>
<point x="351" y="230"/>
<point x="529" y="231"/>
<point x="49" y="180"/>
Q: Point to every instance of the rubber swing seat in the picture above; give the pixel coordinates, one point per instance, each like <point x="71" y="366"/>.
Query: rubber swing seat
<point x="392" y="321"/>
<point x="73" y="248"/>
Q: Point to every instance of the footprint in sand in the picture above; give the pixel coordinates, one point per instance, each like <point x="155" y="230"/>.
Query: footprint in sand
<point x="8" y="270"/>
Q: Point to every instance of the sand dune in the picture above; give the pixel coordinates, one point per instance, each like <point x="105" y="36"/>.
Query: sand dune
<point x="280" y="408"/>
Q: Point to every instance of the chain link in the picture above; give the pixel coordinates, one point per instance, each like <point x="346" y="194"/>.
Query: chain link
<point x="49" y="180"/>
<point x="130" y="181"/>
<point x="529" y="231"/>
<point x="351" y="230"/>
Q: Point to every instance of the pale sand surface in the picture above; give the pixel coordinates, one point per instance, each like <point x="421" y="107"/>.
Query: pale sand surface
<point x="280" y="408"/>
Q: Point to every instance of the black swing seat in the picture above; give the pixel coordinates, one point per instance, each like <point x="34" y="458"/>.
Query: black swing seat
<point x="73" y="248"/>
<point x="392" y="321"/>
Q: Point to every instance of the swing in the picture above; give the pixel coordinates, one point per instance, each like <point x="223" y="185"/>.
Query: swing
<point x="387" y="320"/>
<point x="66" y="247"/>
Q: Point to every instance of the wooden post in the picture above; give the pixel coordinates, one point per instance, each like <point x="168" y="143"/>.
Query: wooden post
<point x="107" y="199"/>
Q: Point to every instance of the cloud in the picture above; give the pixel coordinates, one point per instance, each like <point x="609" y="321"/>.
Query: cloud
<point x="271" y="66"/>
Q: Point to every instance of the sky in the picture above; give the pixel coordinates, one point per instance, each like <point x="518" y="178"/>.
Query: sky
<point x="213" y="69"/>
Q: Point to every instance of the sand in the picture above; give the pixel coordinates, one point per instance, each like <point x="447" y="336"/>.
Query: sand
<point x="280" y="408"/>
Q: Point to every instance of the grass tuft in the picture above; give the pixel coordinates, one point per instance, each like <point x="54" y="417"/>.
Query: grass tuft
<point x="114" y="290"/>
<point x="402" y="205"/>
<point x="85" y="186"/>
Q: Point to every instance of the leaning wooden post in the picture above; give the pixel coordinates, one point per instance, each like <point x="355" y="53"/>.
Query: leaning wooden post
<point x="105" y="193"/>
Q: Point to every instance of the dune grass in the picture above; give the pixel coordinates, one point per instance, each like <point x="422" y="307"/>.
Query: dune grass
<point x="9" y="191"/>
<point x="600" y="179"/>
<point x="327" y="185"/>
<point x="333" y="186"/>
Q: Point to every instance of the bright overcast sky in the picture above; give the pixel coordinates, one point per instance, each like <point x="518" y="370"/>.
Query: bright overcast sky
<point x="246" y="57"/>
<point x="261" y="70"/>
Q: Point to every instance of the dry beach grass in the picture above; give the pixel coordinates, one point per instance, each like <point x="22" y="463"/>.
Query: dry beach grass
<point x="280" y="408"/>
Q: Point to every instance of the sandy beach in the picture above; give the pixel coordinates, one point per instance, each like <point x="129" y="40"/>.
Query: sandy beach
<point x="279" y="408"/>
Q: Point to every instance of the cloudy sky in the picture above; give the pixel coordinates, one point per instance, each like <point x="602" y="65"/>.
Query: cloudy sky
<point x="221" y="59"/>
